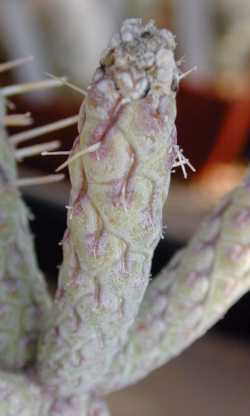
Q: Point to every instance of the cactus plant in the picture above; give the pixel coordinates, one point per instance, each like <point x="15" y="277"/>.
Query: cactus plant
<point x="107" y="326"/>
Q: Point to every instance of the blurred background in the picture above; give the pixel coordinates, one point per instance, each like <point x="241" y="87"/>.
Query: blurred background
<point x="66" y="38"/>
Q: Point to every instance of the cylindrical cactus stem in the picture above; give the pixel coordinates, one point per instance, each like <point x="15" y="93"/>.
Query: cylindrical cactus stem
<point x="118" y="192"/>
<point x="192" y="293"/>
<point x="24" y="300"/>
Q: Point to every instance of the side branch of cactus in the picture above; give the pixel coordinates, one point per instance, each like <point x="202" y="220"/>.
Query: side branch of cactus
<point x="24" y="300"/>
<point x="191" y="294"/>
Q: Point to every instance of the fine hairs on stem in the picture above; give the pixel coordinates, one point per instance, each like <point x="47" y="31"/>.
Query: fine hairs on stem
<point x="31" y="86"/>
<point x="18" y="138"/>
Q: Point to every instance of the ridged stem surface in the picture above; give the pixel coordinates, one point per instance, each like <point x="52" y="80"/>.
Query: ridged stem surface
<point x="192" y="293"/>
<point x="117" y="198"/>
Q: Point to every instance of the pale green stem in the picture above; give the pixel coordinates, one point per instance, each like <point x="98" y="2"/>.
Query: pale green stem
<point x="117" y="198"/>
<point x="24" y="300"/>
<point x="191" y="294"/>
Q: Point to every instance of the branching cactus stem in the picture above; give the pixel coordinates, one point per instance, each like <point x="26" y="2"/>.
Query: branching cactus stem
<point x="191" y="294"/>
<point x="24" y="300"/>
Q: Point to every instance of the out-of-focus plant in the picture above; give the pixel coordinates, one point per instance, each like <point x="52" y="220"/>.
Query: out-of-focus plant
<point x="233" y="46"/>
